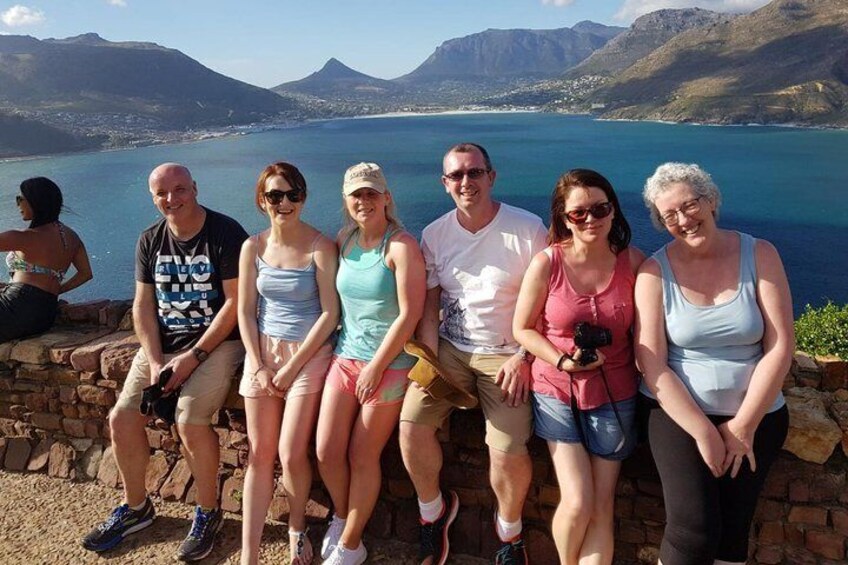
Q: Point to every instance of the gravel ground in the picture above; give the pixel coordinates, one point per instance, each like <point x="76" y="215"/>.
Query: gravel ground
<point x="42" y="521"/>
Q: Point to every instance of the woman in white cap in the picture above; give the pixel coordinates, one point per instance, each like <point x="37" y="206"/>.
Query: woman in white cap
<point x="381" y="286"/>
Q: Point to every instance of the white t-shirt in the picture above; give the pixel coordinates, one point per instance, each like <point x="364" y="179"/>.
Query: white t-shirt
<point x="480" y="275"/>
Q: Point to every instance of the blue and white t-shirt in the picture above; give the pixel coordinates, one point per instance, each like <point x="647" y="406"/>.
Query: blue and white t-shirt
<point x="187" y="276"/>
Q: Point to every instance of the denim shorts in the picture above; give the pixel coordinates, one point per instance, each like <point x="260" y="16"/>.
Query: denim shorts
<point x="605" y="438"/>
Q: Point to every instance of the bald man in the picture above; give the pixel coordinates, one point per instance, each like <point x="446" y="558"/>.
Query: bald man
<point x="184" y="313"/>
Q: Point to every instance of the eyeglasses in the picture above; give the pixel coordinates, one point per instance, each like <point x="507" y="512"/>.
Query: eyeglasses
<point x="19" y="199"/>
<point x="599" y="211"/>
<point x="473" y="174"/>
<point x="275" y="197"/>
<point x="689" y="208"/>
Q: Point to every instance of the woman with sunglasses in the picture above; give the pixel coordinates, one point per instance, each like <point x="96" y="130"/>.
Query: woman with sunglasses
<point x="288" y="309"/>
<point x="381" y="287"/>
<point x="575" y="314"/>
<point x="38" y="259"/>
<point x="714" y="340"/>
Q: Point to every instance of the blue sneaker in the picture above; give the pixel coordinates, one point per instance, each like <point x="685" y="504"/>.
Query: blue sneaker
<point x="122" y="522"/>
<point x="201" y="539"/>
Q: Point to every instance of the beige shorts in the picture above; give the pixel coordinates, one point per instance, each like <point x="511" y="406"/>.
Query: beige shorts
<point x="203" y="392"/>
<point x="507" y="428"/>
<point x="275" y="353"/>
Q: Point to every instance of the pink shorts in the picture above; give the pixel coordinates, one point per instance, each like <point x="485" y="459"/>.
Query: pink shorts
<point x="344" y="372"/>
<point x="275" y="353"/>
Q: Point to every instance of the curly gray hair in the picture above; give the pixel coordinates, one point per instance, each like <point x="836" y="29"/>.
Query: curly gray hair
<point x="668" y="174"/>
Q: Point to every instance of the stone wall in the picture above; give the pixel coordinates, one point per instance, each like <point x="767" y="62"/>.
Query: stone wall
<point x="56" y="390"/>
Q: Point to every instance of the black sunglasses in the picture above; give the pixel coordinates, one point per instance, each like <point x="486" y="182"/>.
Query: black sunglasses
<point x="580" y="215"/>
<point x="275" y="197"/>
<point x="473" y="174"/>
<point x="19" y="199"/>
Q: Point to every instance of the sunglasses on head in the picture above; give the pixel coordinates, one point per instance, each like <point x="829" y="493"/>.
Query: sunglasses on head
<point x="580" y="215"/>
<point x="275" y="197"/>
<point x="473" y="174"/>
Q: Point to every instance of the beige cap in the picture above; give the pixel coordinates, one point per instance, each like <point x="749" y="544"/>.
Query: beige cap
<point x="364" y="175"/>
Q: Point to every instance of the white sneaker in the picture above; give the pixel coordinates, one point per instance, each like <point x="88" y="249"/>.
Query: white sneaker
<point x="344" y="556"/>
<point x="331" y="538"/>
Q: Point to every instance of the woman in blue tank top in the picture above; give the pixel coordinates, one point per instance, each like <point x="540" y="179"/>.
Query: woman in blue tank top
<point x="288" y="309"/>
<point x="714" y="341"/>
<point x="381" y="287"/>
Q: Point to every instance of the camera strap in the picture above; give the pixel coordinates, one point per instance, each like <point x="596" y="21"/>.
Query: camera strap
<point x="578" y="415"/>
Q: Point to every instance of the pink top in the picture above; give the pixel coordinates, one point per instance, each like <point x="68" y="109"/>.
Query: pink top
<point x="611" y="308"/>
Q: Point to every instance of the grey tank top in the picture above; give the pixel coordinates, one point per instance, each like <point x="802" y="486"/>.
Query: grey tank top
<point x="714" y="349"/>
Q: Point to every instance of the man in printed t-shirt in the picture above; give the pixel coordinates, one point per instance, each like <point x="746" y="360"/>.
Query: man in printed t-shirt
<point x="184" y="314"/>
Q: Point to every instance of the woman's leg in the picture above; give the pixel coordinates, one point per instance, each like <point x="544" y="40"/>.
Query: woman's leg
<point x="372" y="430"/>
<point x="574" y="475"/>
<point x="335" y="423"/>
<point x="298" y="425"/>
<point x="599" y="543"/>
<point x="264" y="415"/>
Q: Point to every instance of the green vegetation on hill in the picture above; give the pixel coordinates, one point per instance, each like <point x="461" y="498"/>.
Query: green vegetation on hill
<point x="21" y="137"/>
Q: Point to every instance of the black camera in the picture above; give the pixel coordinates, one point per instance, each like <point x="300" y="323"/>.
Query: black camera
<point x="588" y="338"/>
<point x="154" y="401"/>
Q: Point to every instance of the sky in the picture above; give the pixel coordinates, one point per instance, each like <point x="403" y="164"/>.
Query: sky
<point x="268" y="42"/>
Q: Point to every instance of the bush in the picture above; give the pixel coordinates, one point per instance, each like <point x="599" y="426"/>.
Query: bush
<point x="823" y="331"/>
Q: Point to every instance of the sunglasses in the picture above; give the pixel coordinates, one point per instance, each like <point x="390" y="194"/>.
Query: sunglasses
<point x="580" y="215"/>
<point x="18" y="199"/>
<point x="275" y="197"/>
<point x="473" y="174"/>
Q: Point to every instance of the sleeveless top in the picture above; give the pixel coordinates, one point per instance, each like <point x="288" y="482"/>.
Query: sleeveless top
<point x="289" y="303"/>
<point x="611" y="308"/>
<point x="714" y="349"/>
<point x="15" y="262"/>
<point x="368" y="294"/>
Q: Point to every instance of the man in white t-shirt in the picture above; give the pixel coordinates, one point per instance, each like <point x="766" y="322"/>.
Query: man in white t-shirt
<point x="476" y="256"/>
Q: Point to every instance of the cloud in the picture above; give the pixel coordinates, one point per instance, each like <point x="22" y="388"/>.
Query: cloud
<point x="120" y="3"/>
<point x="632" y="9"/>
<point x="559" y="3"/>
<point x="18" y="16"/>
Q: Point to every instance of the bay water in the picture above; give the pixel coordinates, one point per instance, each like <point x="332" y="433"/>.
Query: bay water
<point x="786" y="185"/>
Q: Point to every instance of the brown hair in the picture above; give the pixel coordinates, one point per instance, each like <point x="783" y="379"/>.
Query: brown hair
<point x="289" y="172"/>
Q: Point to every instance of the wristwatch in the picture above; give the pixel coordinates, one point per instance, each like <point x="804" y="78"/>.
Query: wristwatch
<point x="199" y="354"/>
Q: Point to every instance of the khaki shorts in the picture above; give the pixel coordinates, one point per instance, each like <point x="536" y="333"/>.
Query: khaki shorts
<point x="507" y="428"/>
<point x="275" y="353"/>
<point x="203" y="392"/>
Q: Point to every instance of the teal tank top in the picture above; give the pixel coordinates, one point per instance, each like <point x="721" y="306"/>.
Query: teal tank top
<point x="368" y="294"/>
<point x="714" y="349"/>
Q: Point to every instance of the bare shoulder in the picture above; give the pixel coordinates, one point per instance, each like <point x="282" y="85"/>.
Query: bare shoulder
<point x="765" y="251"/>
<point x="636" y="258"/>
<point x="403" y="238"/>
<point x="649" y="268"/>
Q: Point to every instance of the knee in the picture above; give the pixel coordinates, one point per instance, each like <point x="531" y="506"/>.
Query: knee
<point x="411" y="435"/>
<point x="509" y="466"/>
<point x="122" y="424"/>
<point x="362" y="458"/>
<point x="292" y="459"/>
<point x="194" y="437"/>
<point x="330" y="456"/>
<point x="261" y="456"/>
<point x="577" y="507"/>
<point x="697" y="537"/>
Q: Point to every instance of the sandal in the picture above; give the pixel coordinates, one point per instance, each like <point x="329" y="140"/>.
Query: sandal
<point x="300" y="548"/>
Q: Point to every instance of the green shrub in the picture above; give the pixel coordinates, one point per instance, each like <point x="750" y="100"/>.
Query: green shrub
<point x="823" y="331"/>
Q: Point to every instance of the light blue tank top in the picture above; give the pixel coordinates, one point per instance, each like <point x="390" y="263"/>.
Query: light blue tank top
<point x="714" y="349"/>
<point x="368" y="293"/>
<point x="289" y="303"/>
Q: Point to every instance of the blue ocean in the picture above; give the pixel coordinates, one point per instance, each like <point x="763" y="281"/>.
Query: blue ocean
<point x="787" y="185"/>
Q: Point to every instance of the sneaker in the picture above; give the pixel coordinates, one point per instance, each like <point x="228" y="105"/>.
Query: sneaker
<point x="201" y="539"/>
<point x="434" y="535"/>
<point x="512" y="552"/>
<point x="344" y="556"/>
<point x="331" y="538"/>
<point x="122" y="522"/>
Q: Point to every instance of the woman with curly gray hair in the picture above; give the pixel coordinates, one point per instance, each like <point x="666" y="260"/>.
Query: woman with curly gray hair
<point x="714" y="339"/>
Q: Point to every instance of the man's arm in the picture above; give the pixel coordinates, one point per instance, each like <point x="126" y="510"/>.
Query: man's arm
<point x="428" y="328"/>
<point x="146" y="324"/>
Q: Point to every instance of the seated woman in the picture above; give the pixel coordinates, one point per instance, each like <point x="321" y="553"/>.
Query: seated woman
<point x="576" y="295"/>
<point x="38" y="259"/>
<point x="381" y="286"/>
<point x="288" y="308"/>
<point x="714" y="339"/>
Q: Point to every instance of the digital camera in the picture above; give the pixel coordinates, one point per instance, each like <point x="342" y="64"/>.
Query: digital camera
<point x="588" y="338"/>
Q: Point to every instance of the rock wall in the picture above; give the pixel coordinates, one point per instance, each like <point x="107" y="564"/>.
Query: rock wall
<point x="56" y="391"/>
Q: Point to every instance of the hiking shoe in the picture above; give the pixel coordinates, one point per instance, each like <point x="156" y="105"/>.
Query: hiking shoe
<point x="512" y="552"/>
<point x="434" y="535"/>
<point x="331" y="538"/>
<point x="344" y="556"/>
<point x="122" y="522"/>
<point x="201" y="538"/>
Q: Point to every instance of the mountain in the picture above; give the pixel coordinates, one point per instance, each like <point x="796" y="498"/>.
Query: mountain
<point x="784" y="63"/>
<point x="336" y="80"/>
<point x="499" y="54"/>
<point x="648" y="32"/>
<point x="20" y="137"/>
<point x="90" y="76"/>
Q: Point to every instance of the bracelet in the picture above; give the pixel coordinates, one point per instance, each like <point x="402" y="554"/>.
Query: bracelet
<point x="258" y="369"/>
<point x="563" y="358"/>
